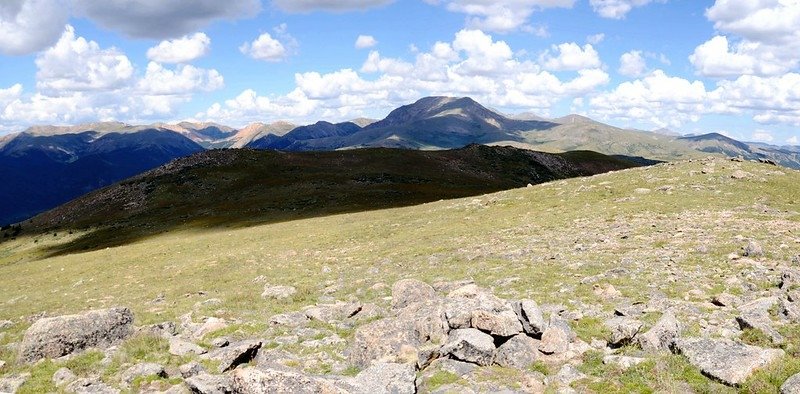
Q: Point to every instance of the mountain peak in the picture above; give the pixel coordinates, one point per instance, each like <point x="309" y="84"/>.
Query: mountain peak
<point x="47" y="130"/>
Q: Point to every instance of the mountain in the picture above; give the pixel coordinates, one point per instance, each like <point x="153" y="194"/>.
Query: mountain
<point x="299" y="138"/>
<point x="718" y="143"/>
<point x="208" y="135"/>
<point x="257" y="130"/>
<point x="241" y="185"/>
<point x="47" y="166"/>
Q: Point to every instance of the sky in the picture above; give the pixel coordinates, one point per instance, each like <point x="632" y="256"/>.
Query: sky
<point x="692" y="66"/>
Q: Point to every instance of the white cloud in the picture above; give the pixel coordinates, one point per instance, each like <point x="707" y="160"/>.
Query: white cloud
<point x="28" y="26"/>
<point x="365" y="42"/>
<point x="183" y="80"/>
<point x="793" y="140"/>
<point x="616" y="9"/>
<point x="570" y="57"/>
<point x="595" y="39"/>
<point x="265" y="48"/>
<point x="762" y="136"/>
<point x="767" y="21"/>
<point x="180" y="50"/>
<point x="328" y="5"/>
<point x="632" y="64"/>
<point x="10" y="94"/>
<point x="770" y="99"/>
<point x="74" y="64"/>
<point x="715" y="58"/>
<point x="163" y="19"/>
<point x="500" y="15"/>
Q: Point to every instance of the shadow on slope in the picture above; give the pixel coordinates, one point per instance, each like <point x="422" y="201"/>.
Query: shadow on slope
<point x="237" y="188"/>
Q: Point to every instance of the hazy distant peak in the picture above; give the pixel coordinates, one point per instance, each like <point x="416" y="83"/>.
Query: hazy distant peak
<point x="363" y="122"/>
<point x="574" y="118"/>
<point x="46" y="130"/>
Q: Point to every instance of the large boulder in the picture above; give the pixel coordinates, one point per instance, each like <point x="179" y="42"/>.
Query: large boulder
<point x="381" y="340"/>
<point x="385" y="378"/>
<point x="623" y="330"/>
<point x="470" y="345"/>
<point x="662" y="335"/>
<point x="330" y="313"/>
<point x="725" y="360"/>
<point x="502" y="324"/>
<point x="58" y="336"/>
<point x="408" y="291"/>
<point x="233" y="355"/>
<point x="518" y="352"/>
<point x="204" y="383"/>
<point x="530" y="316"/>
<point x="265" y="380"/>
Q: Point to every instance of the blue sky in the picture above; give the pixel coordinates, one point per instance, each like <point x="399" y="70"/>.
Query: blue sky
<point x="730" y="66"/>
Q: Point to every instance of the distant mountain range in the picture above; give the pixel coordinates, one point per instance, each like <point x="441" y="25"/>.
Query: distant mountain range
<point x="45" y="166"/>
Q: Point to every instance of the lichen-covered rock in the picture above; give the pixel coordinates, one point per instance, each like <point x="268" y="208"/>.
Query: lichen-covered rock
<point x="662" y="335"/>
<point x="260" y="380"/>
<point x="502" y="324"/>
<point x="180" y="347"/>
<point x="385" y="378"/>
<point x="470" y="345"/>
<point x="408" y="291"/>
<point x="190" y="369"/>
<point x="725" y="360"/>
<point x="530" y="316"/>
<point x="330" y="313"/>
<point x="791" y="385"/>
<point x="58" y="336"/>
<point x="623" y="330"/>
<point x="204" y="383"/>
<point x="278" y="292"/>
<point x="233" y="355"/>
<point x="143" y="370"/>
<point x="518" y="352"/>
<point x="91" y="386"/>
<point x="10" y="384"/>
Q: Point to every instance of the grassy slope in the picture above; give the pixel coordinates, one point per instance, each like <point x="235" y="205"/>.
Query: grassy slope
<point x="547" y="237"/>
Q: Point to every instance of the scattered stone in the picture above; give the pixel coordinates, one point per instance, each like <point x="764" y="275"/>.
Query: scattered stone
<point x="5" y="324"/>
<point x="623" y="330"/>
<point x="789" y="311"/>
<point x="623" y="362"/>
<point x="274" y="380"/>
<point x="142" y="370"/>
<point x="530" y="316"/>
<point x="385" y="378"/>
<point x="278" y="292"/>
<point x="518" y="352"/>
<point x="791" y="385"/>
<point x="753" y="249"/>
<point x="191" y="369"/>
<point x="210" y="325"/>
<point x="725" y="300"/>
<point x="470" y="345"/>
<point x="739" y="174"/>
<point x="10" y="384"/>
<point x="180" y="347"/>
<point x="234" y="354"/>
<point x="330" y="313"/>
<point x="381" y="339"/>
<point x="556" y="338"/>
<point x="289" y="319"/>
<point x="566" y="376"/>
<point x="220" y="342"/>
<point x="725" y="360"/>
<point x="760" y="322"/>
<point x="63" y="376"/>
<point x="210" y="384"/>
<point x="502" y="324"/>
<point x="408" y="291"/>
<point x="58" y="336"/>
<point x="790" y="279"/>
<point x="662" y="335"/>
<point x="90" y="386"/>
<point x="165" y="330"/>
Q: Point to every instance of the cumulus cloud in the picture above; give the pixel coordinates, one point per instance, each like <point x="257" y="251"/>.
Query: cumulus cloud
<point x="180" y="50"/>
<point x="328" y="5"/>
<point x="595" y="39"/>
<point x="28" y="26"/>
<point x="793" y="140"/>
<point x="632" y="64"/>
<point x="363" y="42"/>
<point x="162" y="19"/>
<point x="762" y="136"/>
<point x="500" y="15"/>
<point x="570" y="57"/>
<point x="616" y="9"/>
<point x="185" y="79"/>
<point x="716" y="58"/>
<point x="266" y="48"/>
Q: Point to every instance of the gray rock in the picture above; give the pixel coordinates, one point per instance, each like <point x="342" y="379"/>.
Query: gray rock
<point x="142" y="370"/>
<point x="662" y="335"/>
<point x="518" y="352"/>
<point x="4" y="324"/>
<point x="470" y="345"/>
<point x="289" y="319"/>
<point x="566" y="375"/>
<point x="760" y="322"/>
<point x="530" y="316"/>
<point x="58" y="336"/>
<point x="165" y="330"/>
<point x="235" y="354"/>
<point x="180" y="347"/>
<point x="90" y="386"/>
<point x="725" y="300"/>
<point x="252" y="380"/>
<point x="191" y="369"/>
<point x="10" y="384"/>
<point x="63" y="376"/>
<point x="791" y="385"/>
<point x="220" y="342"/>
<point x="725" y="360"/>
<point x="385" y="378"/>
<point x="210" y="384"/>
<point x="753" y="249"/>
<point x="381" y="339"/>
<point x="330" y="313"/>
<point x="623" y="330"/>
<point x="790" y="279"/>
<point x="2" y="364"/>
<point x="408" y="291"/>
<point x="554" y="341"/>
<point x="789" y="311"/>
<point x="623" y="362"/>
<point x="502" y="324"/>
<point x="278" y="292"/>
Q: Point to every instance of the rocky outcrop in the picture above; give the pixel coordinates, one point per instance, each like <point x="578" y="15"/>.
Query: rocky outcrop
<point x="725" y="360"/>
<point x="58" y="336"/>
<point x="265" y="380"/>
<point x="409" y="291"/>
<point x="229" y="357"/>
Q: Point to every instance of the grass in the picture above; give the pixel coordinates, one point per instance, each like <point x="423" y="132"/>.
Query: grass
<point x="528" y="233"/>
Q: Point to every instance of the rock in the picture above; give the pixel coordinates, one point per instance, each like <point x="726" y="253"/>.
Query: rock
<point x="210" y="384"/>
<point x="90" y="386"/>
<point x="385" y="378"/>
<point x="790" y="279"/>
<point x="210" y="325"/>
<point x="191" y="369"/>
<point x="165" y="330"/>
<point x="63" y="376"/>
<point x="662" y="335"/>
<point x="530" y="316"/>
<point x="330" y="313"/>
<point x="220" y="342"/>
<point x="789" y="311"/>
<point x="470" y="345"/>
<point x="233" y="355"/>
<point x="623" y="330"/>
<point x="180" y="347"/>
<point x="554" y="341"/>
<point x="408" y="291"/>
<point x="518" y="352"/>
<point x="760" y="322"/>
<point x="501" y="324"/>
<point x="142" y="370"/>
<point x="623" y="362"/>
<point x="753" y="249"/>
<point x="369" y="312"/>
<point x="566" y="375"/>
<point x="290" y="319"/>
<point x="252" y="380"/>
<point x="278" y="292"/>
<point x="12" y="383"/>
<point x="725" y="360"/>
<point x="58" y="336"/>
<point x="381" y="340"/>
<point x="791" y="385"/>
<point x="739" y="174"/>
<point x="725" y="300"/>
<point x="4" y="324"/>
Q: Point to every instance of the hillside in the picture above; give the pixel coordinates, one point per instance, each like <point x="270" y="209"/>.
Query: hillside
<point x="714" y="242"/>
<point x="236" y="188"/>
